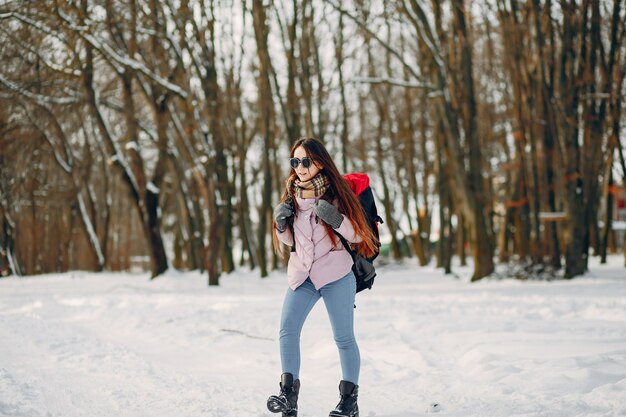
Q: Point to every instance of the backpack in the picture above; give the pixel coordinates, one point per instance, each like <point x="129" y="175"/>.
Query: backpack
<point x="363" y="268"/>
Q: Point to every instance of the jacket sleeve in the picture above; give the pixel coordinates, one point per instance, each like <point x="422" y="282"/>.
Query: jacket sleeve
<point x="286" y="237"/>
<point x="347" y="230"/>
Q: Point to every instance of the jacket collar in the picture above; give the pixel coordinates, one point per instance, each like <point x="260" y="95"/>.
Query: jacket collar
<point x="306" y="203"/>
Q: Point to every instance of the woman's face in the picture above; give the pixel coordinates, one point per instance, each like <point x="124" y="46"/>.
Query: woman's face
<point x="305" y="174"/>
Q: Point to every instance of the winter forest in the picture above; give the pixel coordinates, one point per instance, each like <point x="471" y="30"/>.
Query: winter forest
<point x="149" y="134"/>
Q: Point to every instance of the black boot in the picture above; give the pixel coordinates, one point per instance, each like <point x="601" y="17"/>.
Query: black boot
<point x="287" y="401"/>
<point x="347" y="406"/>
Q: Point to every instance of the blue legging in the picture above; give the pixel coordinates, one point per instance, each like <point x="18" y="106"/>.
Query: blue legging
<point x="339" y="300"/>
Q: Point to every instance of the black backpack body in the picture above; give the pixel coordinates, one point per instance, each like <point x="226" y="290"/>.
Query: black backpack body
<point x="363" y="268"/>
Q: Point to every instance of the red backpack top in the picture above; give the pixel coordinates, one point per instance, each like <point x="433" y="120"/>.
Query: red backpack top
<point x="360" y="184"/>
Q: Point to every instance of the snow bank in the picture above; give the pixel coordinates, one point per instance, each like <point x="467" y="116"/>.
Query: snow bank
<point x="82" y="344"/>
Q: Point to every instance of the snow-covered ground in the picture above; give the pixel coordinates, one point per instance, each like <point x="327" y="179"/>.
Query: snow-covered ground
<point x="88" y="345"/>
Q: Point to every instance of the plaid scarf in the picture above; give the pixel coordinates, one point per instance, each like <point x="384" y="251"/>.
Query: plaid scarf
<point x="315" y="187"/>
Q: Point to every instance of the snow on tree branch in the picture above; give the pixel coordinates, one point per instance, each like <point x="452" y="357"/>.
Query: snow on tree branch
<point x="391" y="81"/>
<point x="39" y="98"/>
<point x="105" y="49"/>
<point x="37" y="25"/>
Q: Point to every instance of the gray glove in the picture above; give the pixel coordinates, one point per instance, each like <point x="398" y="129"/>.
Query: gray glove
<point x="282" y="212"/>
<point x="328" y="213"/>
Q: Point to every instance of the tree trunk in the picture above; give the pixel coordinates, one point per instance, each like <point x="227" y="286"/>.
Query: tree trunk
<point x="293" y="101"/>
<point x="608" y="211"/>
<point x="339" y="41"/>
<point x="305" y="74"/>
<point x="467" y="186"/>
<point x="266" y="109"/>
<point x="461" y="239"/>
<point x="442" y="185"/>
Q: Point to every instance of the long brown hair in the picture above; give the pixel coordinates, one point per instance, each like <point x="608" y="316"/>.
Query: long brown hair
<point x="339" y="188"/>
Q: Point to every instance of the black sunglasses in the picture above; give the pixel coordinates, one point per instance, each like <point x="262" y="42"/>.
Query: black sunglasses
<point x="306" y="162"/>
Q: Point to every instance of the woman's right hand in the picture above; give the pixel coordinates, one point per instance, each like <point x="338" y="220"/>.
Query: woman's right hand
<point x="282" y="212"/>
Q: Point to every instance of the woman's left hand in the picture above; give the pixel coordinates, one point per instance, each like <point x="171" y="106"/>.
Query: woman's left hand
<point x="328" y="213"/>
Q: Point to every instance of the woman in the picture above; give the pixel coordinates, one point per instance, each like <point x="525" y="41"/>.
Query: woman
<point x="317" y="206"/>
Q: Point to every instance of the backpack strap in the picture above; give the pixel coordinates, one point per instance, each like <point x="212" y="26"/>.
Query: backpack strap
<point x="345" y="245"/>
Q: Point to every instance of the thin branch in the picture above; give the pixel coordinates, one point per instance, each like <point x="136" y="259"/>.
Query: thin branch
<point x="391" y="81"/>
<point x="35" y="24"/>
<point x="39" y="98"/>
<point x="362" y="25"/>
<point x="423" y="25"/>
<point x="44" y="60"/>
<point x="128" y="62"/>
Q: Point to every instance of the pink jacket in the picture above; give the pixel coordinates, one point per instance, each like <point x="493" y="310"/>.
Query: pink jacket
<point x="315" y="255"/>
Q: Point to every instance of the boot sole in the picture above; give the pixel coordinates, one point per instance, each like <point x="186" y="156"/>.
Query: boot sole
<point x="332" y="414"/>
<point x="276" y="405"/>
